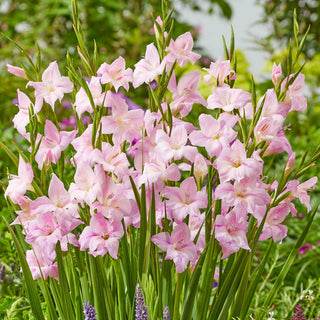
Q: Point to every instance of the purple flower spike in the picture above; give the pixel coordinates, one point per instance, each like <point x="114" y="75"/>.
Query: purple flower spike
<point x="89" y="312"/>
<point x="166" y="313"/>
<point x="141" y="309"/>
<point x="299" y="313"/>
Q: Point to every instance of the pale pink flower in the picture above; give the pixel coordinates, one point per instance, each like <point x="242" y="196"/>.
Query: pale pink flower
<point x="276" y="75"/>
<point x="116" y="74"/>
<point x="82" y="102"/>
<point x="18" y="185"/>
<point x="16" y="71"/>
<point x="21" y="119"/>
<point x="272" y="227"/>
<point x="148" y="68"/>
<point x="174" y="146"/>
<point x="123" y="124"/>
<point x="272" y="107"/>
<point x="52" y="88"/>
<point x="178" y="246"/>
<point x="267" y="129"/>
<point x="278" y="144"/>
<point x="101" y="236"/>
<point x="299" y="190"/>
<point x="157" y="171"/>
<point x="219" y="70"/>
<point x="41" y="261"/>
<point x="180" y="50"/>
<point x="230" y="231"/>
<point x="112" y="159"/>
<point x="214" y="133"/>
<point x="60" y="203"/>
<point x="200" y="169"/>
<point x="53" y="143"/>
<point x="245" y="194"/>
<point x="294" y="94"/>
<point x="83" y="146"/>
<point x="228" y="99"/>
<point x="186" y="93"/>
<point x="233" y="164"/>
<point x="185" y="199"/>
<point x="87" y="183"/>
<point x="112" y="200"/>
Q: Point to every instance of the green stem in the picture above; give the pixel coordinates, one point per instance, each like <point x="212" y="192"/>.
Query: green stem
<point x="177" y="297"/>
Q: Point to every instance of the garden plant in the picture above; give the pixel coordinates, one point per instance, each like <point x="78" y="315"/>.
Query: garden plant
<point x="170" y="209"/>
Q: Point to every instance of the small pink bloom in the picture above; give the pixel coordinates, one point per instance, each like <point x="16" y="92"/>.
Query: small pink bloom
<point x="53" y="143"/>
<point x="214" y="133"/>
<point x="82" y="102"/>
<point x="230" y="231"/>
<point x="180" y="50"/>
<point x="52" y="88"/>
<point x="21" y="119"/>
<point x="18" y="185"/>
<point x="101" y="236"/>
<point x="16" y="71"/>
<point x="272" y="227"/>
<point x="200" y="168"/>
<point x="148" y="68"/>
<point x="116" y="74"/>
<point x="186" y="93"/>
<point x="185" y="200"/>
<point x="123" y="124"/>
<point x="276" y="75"/>
<point x="294" y="94"/>
<point x="40" y="261"/>
<point x="299" y="190"/>
<point x="174" y="147"/>
<point x="178" y="246"/>
<point x="233" y="164"/>
<point x="219" y="70"/>
<point x="228" y="99"/>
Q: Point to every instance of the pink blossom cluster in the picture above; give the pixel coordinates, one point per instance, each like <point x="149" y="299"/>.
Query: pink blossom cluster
<point x="171" y="158"/>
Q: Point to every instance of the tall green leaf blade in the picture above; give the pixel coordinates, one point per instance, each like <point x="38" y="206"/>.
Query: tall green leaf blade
<point x="30" y="284"/>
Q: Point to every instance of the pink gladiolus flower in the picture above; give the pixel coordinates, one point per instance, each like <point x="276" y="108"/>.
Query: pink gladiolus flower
<point x="180" y="50"/>
<point x="186" y="93"/>
<point x="174" y="146"/>
<point x="53" y="143"/>
<point x="16" y="71"/>
<point x="178" y="246"/>
<point x="272" y="107"/>
<point x="233" y="164"/>
<point x="228" y="99"/>
<point x="40" y="261"/>
<point x="185" y="200"/>
<point x="276" y="75"/>
<point x="214" y="134"/>
<point x="116" y="73"/>
<point x="125" y="125"/>
<point x="219" y="70"/>
<point x="61" y="204"/>
<point x="18" y="185"/>
<point x="87" y="183"/>
<point x="231" y="233"/>
<point x="82" y="102"/>
<point x="272" y="227"/>
<point x="200" y="168"/>
<point x="294" y="94"/>
<point x="245" y="195"/>
<point x="101" y="236"/>
<point x="21" y="119"/>
<point x="52" y="88"/>
<point x="299" y="190"/>
<point x="267" y="129"/>
<point x="148" y="68"/>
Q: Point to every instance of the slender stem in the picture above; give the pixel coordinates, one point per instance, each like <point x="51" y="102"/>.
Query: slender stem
<point x="177" y="297"/>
